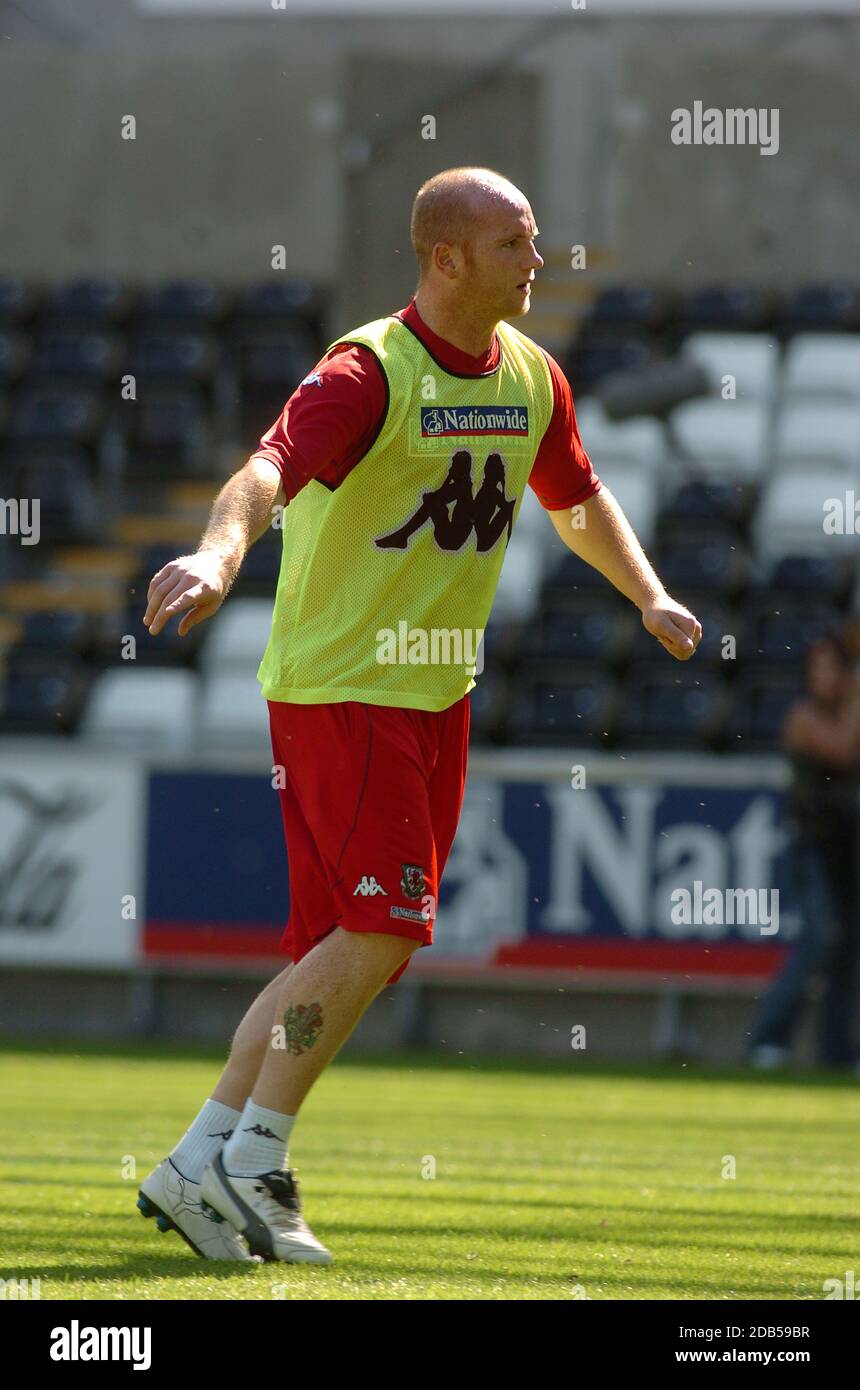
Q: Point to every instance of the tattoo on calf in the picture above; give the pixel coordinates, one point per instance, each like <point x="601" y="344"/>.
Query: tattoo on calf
<point x="303" y="1024"/>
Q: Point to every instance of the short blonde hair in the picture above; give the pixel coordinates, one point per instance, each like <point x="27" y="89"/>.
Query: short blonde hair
<point x="448" y="207"/>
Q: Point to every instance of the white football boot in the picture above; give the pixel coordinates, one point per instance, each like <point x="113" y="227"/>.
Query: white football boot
<point x="177" y="1205"/>
<point x="267" y="1212"/>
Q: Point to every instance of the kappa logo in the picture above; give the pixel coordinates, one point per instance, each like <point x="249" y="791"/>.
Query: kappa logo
<point x="368" y="887"/>
<point x="313" y="380"/>
<point x="454" y="511"/>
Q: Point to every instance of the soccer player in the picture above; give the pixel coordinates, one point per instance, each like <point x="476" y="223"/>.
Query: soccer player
<point x="402" y="459"/>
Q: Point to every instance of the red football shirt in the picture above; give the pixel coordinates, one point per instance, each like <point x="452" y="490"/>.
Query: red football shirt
<point x="306" y="442"/>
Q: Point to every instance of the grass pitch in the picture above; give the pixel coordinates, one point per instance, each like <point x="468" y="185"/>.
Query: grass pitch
<point x="552" y="1181"/>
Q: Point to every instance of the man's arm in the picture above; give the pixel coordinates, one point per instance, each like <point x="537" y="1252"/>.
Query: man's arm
<point x="599" y="532"/>
<point x="198" y="584"/>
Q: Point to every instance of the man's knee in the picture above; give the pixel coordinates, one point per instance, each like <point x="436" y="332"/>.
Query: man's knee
<point x="388" y="949"/>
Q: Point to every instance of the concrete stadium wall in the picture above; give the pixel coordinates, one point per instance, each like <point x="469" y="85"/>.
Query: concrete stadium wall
<point x="623" y="1023"/>
<point x="245" y="132"/>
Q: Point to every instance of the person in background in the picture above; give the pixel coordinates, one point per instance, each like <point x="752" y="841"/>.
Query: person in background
<point x="851" y="638"/>
<point x="821" y="736"/>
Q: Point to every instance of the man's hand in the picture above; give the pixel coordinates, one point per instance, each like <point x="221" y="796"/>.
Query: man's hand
<point x="674" y="627"/>
<point x="195" y="585"/>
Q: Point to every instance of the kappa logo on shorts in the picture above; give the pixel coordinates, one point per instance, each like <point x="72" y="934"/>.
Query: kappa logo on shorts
<point x="368" y="887"/>
<point x="412" y="881"/>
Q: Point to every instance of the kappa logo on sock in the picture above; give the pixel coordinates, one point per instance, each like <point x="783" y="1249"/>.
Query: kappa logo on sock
<point x="224" y="1134"/>
<point x="263" y="1133"/>
<point x="368" y="887"/>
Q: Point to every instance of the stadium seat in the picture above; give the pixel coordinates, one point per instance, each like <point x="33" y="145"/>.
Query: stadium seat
<point x="165" y="433"/>
<point x="830" y="578"/>
<point x="67" y="630"/>
<point x="41" y="692"/>
<point x="779" y="631"/>
<point x="728" y="503"/>
<point x="760" y="702"/>
<point x="17" y="300"/>
<point x="236" y="642"/>
<point x="172" y="356"/>
<point x="95" y="300"/>
<point x="233" y="714"/>
<point x="640" y="442"/>
<point x="630" y="307"/>
<point x="268" y="368"/>
<point x="73" y="354"/>
<point x="488" y="707"/>
<point x="557" y="706"/>
<point x="282" y="301"/>
<point x="727" y="308"/>
<point x="709" y="560"/>
<point x="522" y="573"/>
<point x="595" y="354"/>
<point x="581" y="627"/>
<point x="824" y="366"/>
<point x="818" y="436"/>
<point x="834" y="306"/>
<point x="678" y="708"/>
<point x="500" y="646"/>
<point x="722" y="439"/>
<point x="14" y="354"/>
<point x="187" y="302"/>
<point x="73" y="414"/>
<point x="70" y="507"/>
<point x="751" y="358"/>
<point x="145" y="710"/>
<point x="796" y="505"/>
<point x="17" y="455"/>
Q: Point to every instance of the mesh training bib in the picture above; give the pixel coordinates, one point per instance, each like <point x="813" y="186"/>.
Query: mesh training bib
<point x="386" y="582"/>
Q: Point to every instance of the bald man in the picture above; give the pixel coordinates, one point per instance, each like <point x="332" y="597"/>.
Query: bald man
<point x="401" y="461"/>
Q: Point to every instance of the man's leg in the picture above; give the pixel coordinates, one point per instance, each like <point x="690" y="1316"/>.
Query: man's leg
<point x="249" y="1182"/>
<point x="213" y="1125"/>
<point x="318" y="1006"/>
<point x="250" y="1042"/>
<point x="781" y="1007"/>
<point x="171" y="1192"/>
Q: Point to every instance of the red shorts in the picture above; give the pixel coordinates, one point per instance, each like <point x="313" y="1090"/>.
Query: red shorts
<point x="371" y="801"/>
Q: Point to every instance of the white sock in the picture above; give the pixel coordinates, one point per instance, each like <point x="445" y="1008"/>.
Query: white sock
<point x="260" y="1142"/>
<point x="203" y="1139"/>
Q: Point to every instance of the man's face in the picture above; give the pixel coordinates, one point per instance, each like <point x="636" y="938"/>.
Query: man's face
<point x="501" y="261"/>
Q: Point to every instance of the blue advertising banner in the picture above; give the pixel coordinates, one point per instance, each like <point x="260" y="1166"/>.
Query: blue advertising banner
<point x="629" y="872"/>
